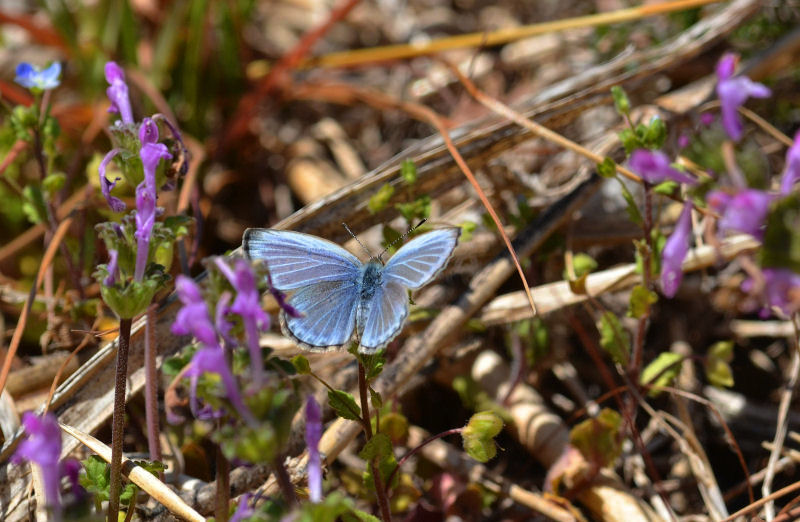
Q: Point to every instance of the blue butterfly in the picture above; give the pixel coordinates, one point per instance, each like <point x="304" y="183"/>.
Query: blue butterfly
<point x="338" y="295"/>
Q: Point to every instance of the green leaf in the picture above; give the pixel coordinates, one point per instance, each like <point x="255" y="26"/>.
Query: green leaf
<point x="381" y="199"/>
<point x="301" y="364"/>
<point x="95" y="478"/>
<point x="599" y="439"/>
<point x="395" y="426"/>
<point x="54" y="182"/>
<point x="479" y="433"/>
<point x="621" y="102"/>
<point x="409" y="171"/>
<point x="666" y="188"/>
<point x="607" y="168"/>
<point x="718" y="370"/>
<point x="630" y="141"/>
<point x="415" y="210"/>
<point x="344" y="405"/>
<point x="378" y="447"/>
<point x="467" y="229"/>
<point x="375" y="398"/>
<point x="641" y="300"/>
<point x="662" y="371"/>
<point x="614" y="338"/>
<point x="633" y="210"/>
<point x="33" y="204"/>
<point x="655" y="134"/>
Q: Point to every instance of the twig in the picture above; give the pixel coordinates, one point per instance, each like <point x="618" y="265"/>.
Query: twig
<point x="780" y="430"/>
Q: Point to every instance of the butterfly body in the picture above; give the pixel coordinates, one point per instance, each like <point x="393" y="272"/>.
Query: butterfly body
<point x="339" y="297"/>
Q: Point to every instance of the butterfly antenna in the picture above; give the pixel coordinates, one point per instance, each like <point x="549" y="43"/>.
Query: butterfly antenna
<point x="410" y="230"/>
<point x="357" y="240"/>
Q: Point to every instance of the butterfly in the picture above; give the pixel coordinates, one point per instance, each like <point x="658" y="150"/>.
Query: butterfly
<point x="338" y="297"/>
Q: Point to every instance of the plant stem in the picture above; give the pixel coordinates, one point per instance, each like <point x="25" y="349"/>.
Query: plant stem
<point x="380" y="492"/>
<point x="151" y="387"/>
<point x="223" y="497"/>
<point x="284" y="481"/>
<point x="118" y="420"/>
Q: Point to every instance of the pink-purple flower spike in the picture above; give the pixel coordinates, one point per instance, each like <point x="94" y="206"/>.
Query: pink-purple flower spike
<point x="791" y="173"/>
<point x="733" y="92"/>
<point x="117" y="92"/>
<point x="43" y="447"/>
<point x="653" y="166"/>
<point x="781" y="290"/>
<point x="313" y="436"/>
<point x="674" y="252"/>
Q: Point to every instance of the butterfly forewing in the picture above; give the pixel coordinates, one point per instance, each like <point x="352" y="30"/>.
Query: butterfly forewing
<point x="296" y="260"/>
<point x="419" y="260"/>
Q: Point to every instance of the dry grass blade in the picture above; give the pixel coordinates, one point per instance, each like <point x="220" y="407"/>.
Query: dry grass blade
<point x="141" y="477"/>
<point x="26" y="310"/>
<point x="485" y="39"/>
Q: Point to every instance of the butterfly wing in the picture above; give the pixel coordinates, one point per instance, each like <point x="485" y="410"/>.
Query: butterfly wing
<point x="328" y="315"/>
<point x="419" y="260"/>
<point x="323" y="280"/>
<point x="296" y="260"/>
<point x="382" y="317"/>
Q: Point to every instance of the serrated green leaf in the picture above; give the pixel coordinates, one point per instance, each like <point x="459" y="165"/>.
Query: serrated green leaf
<point x="479" y="433"/>
<point x="641" y="300"/>
<point x="409" y="171"/>
<point x="662" y="371"/>
<point x="607" y="168"/>
<point x="467" y="229"/>
<point x="614" y="338"/>
<point x="375" y="398"/>
<point x="717" y="367"/>
<point x="301" y="364"/>
<point x="621" y="102"/>
<point x="415" y="210"/>
<point x="378" y="447"/>
<point x="630" y="205"/>
<point x="599" y="439"/>
<point x="666" y="188"/>
<point x="344" y="405"/>
<point x="381" y="199"/>
<point x="655" y="134"/>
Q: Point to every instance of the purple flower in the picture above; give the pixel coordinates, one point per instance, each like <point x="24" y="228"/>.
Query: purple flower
<point x="313" y="436"/>
<point x="211" y="359"/>
<point x="31" y="77"/>
<point x="117" y="92"/>
<point x="248" y="305"/>
<point x="733" y="92"/>
<point x="43" y="446"/>
<point x="242" y="510"/>
<point x="707" y="119"/>
<point x="792" y="171"/>
<point x="683" y="141"/>
<point x="280" y="298"/>
<point x="111" y="279"/>
<point x="745" y="211"/>
<point x="654" y="167"/>
<point x="781" y="289"/>
<point x="224" y="326"/>
<point x="675" y="250"/>
<point x="151" y="154"/>
<point x="116" y="204"/>
<point x="193" y="317"/>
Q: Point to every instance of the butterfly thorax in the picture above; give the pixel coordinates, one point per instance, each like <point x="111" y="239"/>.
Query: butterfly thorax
<point x="371" y="279"/>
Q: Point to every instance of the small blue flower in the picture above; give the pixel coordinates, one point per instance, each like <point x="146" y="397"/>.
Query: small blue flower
<point x="31" y="77"/>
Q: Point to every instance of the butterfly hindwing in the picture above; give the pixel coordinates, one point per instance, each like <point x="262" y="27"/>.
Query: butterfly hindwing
<point x="383" y="316"/>
<point x="296" y="260"/>
<point x="419" y="260"/>
<point x="328" y="314"/>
